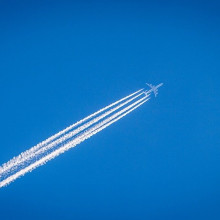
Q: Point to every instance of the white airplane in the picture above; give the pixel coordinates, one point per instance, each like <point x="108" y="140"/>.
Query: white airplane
<point x="153" y="89"/>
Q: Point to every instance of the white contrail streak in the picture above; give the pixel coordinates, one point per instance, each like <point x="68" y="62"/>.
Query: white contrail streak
<point x="27" y="157"/>
<point x="22" y="156"/>
<point x="87" y="134"/>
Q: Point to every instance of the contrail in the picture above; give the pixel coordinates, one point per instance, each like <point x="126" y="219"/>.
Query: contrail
<point x="85" y="135"/>
<point x="23" y="156"/>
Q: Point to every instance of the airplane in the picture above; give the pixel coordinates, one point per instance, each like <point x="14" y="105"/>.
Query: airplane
<point x="153" y="89"/>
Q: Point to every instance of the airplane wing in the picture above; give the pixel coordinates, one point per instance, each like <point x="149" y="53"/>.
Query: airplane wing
<point x="150" y="85"/>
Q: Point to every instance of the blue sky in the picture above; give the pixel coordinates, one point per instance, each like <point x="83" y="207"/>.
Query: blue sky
<point x="62" y="60"/>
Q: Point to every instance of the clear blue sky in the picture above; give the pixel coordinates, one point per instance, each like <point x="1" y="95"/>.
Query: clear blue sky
<point x="62" y="60"/>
